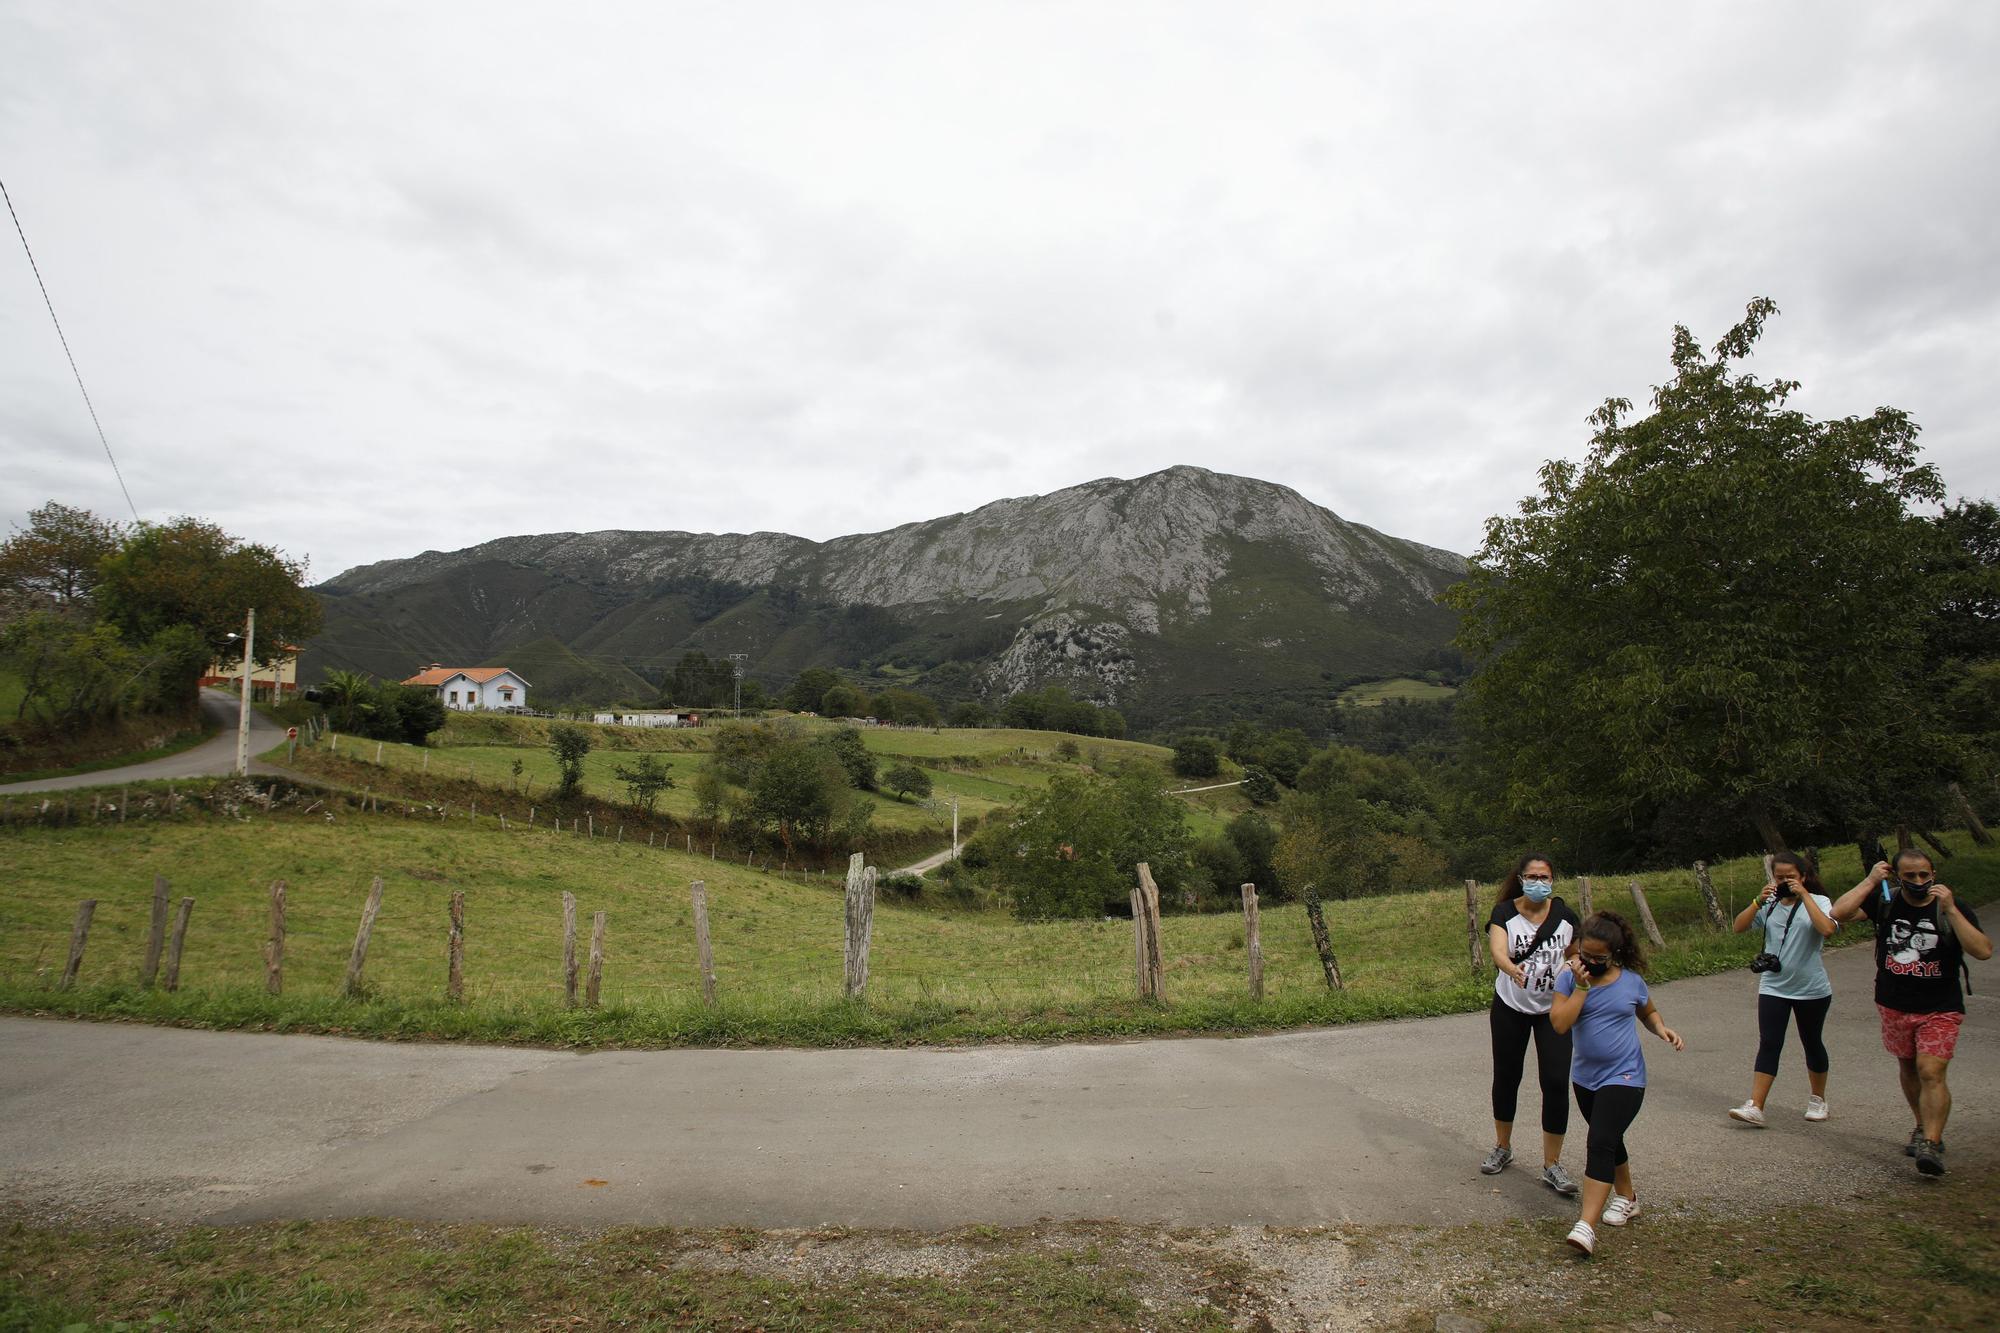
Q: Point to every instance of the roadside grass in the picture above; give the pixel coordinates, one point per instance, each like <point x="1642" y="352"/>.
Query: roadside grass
<point x="1932" y="1259"/>
<point x="1376" y="692"/>
<point x="133" y="741"/>
<point x="963" y="974"/>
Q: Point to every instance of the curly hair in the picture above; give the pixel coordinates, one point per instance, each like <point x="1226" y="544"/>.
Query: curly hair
<point x="1615" y="933"/>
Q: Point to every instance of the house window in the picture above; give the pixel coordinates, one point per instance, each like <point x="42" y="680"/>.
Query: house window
<point x="454" y="696"/>
<point x="507" y="694"/>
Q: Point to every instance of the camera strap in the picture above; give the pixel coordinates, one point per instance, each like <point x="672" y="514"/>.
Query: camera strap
<point x="1550" y="924"/>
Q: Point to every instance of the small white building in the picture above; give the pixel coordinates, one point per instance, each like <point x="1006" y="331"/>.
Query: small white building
<point x="471" y="689"/>
<point x="650" y="717"/>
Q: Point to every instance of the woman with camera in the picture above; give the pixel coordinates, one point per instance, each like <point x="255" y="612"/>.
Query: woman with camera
<point x="1529" y="933"/>
<point x="1792" y="986"/>
<point x="1603" y="1001"/>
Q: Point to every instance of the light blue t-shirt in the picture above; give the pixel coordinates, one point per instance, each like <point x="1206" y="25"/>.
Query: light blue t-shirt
<point x="1604" y="1044"/>
<point x="1803" y="976"/>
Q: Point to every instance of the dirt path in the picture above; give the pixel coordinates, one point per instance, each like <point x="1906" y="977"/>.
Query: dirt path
<point x="1375" y="1123"/>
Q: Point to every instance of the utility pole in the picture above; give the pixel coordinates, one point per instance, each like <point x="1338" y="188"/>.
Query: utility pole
<point x="243" y="702"/>
<point x="736" y="661"/>
<point x="954" y="826"/>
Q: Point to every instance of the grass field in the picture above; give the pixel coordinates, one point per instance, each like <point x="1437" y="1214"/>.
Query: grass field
<point x="936" y="974"/>
<point x="1377" y="692"/>
<point x="985" y="769"/>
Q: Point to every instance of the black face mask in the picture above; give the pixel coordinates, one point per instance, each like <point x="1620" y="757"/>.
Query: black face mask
<point x="1597" y="967"/>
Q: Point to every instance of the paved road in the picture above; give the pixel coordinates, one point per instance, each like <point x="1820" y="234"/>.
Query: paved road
<point x="928" y="864"/>
<point x="1377" y="1123"/>
<point x="212" y="758"/>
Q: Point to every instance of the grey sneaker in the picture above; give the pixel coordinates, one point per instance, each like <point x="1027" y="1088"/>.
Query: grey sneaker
<point x="1558" y="1180"/>
<point x="1930" y="1157"/>
<point x="1496" y="1161"/>
<point x="1916" y="1137"/>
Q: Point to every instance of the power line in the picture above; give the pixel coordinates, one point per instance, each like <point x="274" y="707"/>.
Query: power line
<point x="66" y="352"/>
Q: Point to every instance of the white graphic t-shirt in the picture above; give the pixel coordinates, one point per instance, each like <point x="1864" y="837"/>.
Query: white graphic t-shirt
<point x="1541" y="966"/>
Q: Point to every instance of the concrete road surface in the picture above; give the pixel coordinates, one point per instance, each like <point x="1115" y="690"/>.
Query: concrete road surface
<point x="1377" y="1123"/>
<point x="214" y="757"/>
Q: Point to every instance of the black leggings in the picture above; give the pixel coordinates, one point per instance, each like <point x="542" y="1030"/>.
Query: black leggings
<point x="1772" y="1012"/>
<point x="1511" y="1030"/>
<point x="1609" y="1111"/>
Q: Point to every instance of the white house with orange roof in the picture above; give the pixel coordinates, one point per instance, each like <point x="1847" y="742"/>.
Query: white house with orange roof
<point x="470" y="689"/>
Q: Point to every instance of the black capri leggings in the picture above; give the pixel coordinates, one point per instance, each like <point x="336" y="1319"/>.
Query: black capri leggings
<point x="1511" y="1031"/>
<point x="1609" y="1111"/>
<point x="1772" y="1011"/>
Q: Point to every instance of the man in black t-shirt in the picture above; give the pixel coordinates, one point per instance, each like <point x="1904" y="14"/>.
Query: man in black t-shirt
<point x="1922" y="937"/>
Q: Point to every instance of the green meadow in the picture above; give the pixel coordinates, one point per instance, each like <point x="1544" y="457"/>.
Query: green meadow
<point x="938" y="972"/>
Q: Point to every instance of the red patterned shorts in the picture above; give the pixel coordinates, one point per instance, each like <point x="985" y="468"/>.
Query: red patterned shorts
<point x="1906" y="1036"/>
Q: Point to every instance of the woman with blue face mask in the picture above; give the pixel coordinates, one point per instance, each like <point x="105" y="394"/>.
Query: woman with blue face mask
<point x="1530" y="933"/>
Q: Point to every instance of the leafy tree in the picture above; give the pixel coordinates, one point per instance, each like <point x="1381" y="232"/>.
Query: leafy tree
<point x="417" y="712"/>
<point x="843" y="701"/>
<point x="1197" y="757"/>
<point x="644" y="781"/>
<point x="190" y="572"/>
<point x="897" y="704"/>
<point x="711" y="793"/>
<point x="569" y="745"/>
<point x="801" y="792"/>
<point x="1716" y="611"/>
<point x="856" y="760"/>
<point x="969" y="715"/>
<point x="907" y="779"/>
<point x="1256" y="841"/>
<point x="1075" y="846"/>
<point x="1259" y="787"/>
<point x="345" y="692"/>
<point x="807" y="692"/>
<point x="754" y="696"/>
<point x="739" y="747"/>
<point x="698" y="681"/>
<point x="70" y="670"/>
<point x="52" y="564"/>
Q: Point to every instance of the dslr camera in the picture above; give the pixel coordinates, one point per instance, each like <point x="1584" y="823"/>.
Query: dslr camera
<point x="1767" y="962"/>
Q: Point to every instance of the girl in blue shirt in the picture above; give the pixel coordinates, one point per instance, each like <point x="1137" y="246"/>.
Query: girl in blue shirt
<point x="1601" y="1000"/>
<point x="1796" y="916"/>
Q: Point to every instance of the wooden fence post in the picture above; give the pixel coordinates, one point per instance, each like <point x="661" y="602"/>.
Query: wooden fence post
<point x="156" y="934"/>
<point x="596" y="982"/>
<point x="703" y="955"/>
<point x="569" y="950"/>
<point x="352" y="985"/>
<point x="1142" y="974"/>
<point x="1646" y="916"/>
<point x="274" y="948"/>
<point x="1253" y="943"/>
<point x="1322" y="940"/>
<point x="1970" y="816"/>
<point x="78" y="934"/>
<point x="860" y="907"/>
<point x="1472" y="923"/>
<point x="1903" y="843"/>
<point x="1583" y="896"/>
<point x="454" y="950"/>
<point x="1149" y="901"/>
<point x="173" y="977"/>
<point x="1708" y="898"/>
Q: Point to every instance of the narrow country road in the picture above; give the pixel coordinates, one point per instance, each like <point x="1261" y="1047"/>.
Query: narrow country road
<point x="1378" y="1123"/>
<point x="214" y="757"/>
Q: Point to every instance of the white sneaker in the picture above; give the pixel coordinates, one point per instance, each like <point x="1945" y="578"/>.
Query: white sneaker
<point x="1620" y="1210"/>
<point x="1816" y="1108"/>
<point x="1583" y="1237"/>
<point x="1749" y="1113"/>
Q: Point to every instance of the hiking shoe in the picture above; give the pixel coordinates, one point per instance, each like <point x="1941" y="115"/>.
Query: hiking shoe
<point x="1749" y="1113"/>
<point x="1930" y="1157"/>
<point x="1558" y="1180"/>
<point x="1816" y="1108"/>
<point x="1496" y="1161"/>
<point x="1583" y="1237"/>
<point x="1620" y="1210"/>
<point x="1916" y="1137"/>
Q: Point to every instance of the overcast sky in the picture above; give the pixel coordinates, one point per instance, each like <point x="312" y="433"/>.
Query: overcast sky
<point x="363" y="280"/>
